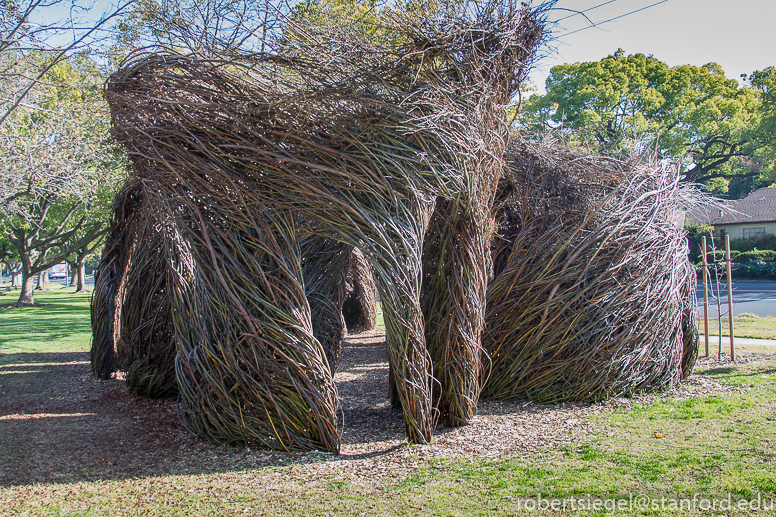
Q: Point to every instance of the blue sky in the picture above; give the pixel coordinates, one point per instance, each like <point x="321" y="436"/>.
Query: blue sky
<point x="740" y="35"/>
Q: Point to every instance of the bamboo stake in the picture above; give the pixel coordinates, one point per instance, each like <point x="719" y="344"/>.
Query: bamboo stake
<point x="705" y="296"/>
<point x="730" y="296"/>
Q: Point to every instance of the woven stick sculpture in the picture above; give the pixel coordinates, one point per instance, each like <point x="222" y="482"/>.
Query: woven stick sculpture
<point x="145" y="345"/>
<point x="325" y="263"/>
<point x="593" y="293"/>
<point x="131" y="320"/>
<point x="340" y="137"/>
<point x="127" y="212"/>
<point x="359" y="310"/>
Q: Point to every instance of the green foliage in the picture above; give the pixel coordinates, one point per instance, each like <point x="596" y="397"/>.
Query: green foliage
<point x="753" y="256"/>
<point x="748" y="271"/>
<point x="764" y="81"/>
<point x="719" y="255"/>
<point x="742" y="257"/>
<point x="710" y="126"/>
<point x="362" y="15"/>
<point x="58" y="145"/>
<point x="368" y="18"/>
<point x="755" y="271"/>
<point x="59" y="167"/>
<point x="695" y="234"/>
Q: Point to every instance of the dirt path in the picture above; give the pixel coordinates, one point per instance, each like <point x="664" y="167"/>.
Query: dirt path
<point x="59" y="425"/>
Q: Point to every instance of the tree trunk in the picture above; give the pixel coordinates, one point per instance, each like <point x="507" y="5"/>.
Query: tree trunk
<point x="71" y="267"/>
<point x="80" y="274"/>
<point x="13" y="268"/>
<point x="26" y="298"/>
<point x="42" y="279"/>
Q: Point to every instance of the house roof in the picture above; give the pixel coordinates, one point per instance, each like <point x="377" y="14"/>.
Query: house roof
<point x="757" y="207"/>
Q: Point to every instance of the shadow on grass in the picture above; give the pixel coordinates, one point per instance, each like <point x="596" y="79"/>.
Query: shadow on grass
<point x="717" y="371"/>
<point x="25" y="360"/>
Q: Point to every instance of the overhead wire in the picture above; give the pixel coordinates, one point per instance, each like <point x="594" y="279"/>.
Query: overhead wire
<point x="585" y="11"/>
<point x="611" y="19"/>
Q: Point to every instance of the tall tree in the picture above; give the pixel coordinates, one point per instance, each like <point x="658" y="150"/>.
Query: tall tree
<point x="59" y="138"/>
<point x="95" y="217"/>
<point x="41" y="28"/>
<point x="765" y="157"/>
<point x="705" y="122"/>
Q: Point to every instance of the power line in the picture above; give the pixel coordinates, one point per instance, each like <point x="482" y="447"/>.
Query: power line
<point x="611" y="19"/>
<point x="582" y="12"/>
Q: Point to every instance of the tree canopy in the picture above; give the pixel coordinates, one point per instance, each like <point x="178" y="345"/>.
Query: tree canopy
<point x="715" y="129"/>
<point x="58" y="167"/>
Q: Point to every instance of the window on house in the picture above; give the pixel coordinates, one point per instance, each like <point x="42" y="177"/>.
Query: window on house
<point x="749" y="233"/>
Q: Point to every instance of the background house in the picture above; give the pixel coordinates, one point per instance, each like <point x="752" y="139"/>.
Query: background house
<point x="751" y="217"/>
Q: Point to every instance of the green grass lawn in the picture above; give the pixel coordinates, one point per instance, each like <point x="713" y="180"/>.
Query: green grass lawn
<point x="60" y="324"/>
<point x="745" y="325"/>
<point x="379" y="318"/>
<point x="714" y="446"/>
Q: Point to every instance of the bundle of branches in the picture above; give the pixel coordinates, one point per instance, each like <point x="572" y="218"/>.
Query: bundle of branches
<point x="325" y="263"/>
<point x="131" y="320"/>
<point x="126" y="212"/>
<point x="145" y="344"/>
<point x="593" y="293"/>
<point x="360" y="307"/>
<point x="359" y="139"/>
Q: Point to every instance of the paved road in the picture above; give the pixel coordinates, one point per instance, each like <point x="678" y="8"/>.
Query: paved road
<point x="89" y="280"/>
<point x="754" y="296"/>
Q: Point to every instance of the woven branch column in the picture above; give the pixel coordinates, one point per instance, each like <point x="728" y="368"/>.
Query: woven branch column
<point x="456" y="270"/>
<point x="146" y="349"/>
<point x="102" y="353"/>
<point x="360" y="305"/>
<point x="325" y="262"/>
<point x="107" y="295"/>
<point x="455" y="278"/>
<point x="398" y="280"/>
<point x="249" y="369"/>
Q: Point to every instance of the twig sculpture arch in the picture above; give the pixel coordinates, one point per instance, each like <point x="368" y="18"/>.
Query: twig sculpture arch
<point x="355" y="143"/>
<point x="256" y="181"/>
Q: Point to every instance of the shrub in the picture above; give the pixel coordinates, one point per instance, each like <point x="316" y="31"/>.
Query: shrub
<point x="755" y="271"/>
<point x="695" y="234"/>
<point x="754" y="256"/>
<point x="719" y="256"/>
<point x="761" y="242"/>
<point x="748" y="271"/>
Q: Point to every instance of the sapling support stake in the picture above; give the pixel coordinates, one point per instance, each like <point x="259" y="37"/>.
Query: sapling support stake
<point x="730" y="296"/>
<point x="705" y="295"/>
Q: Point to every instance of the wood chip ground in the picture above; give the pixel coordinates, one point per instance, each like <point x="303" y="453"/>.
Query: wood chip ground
<point x="60" y="425"/>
